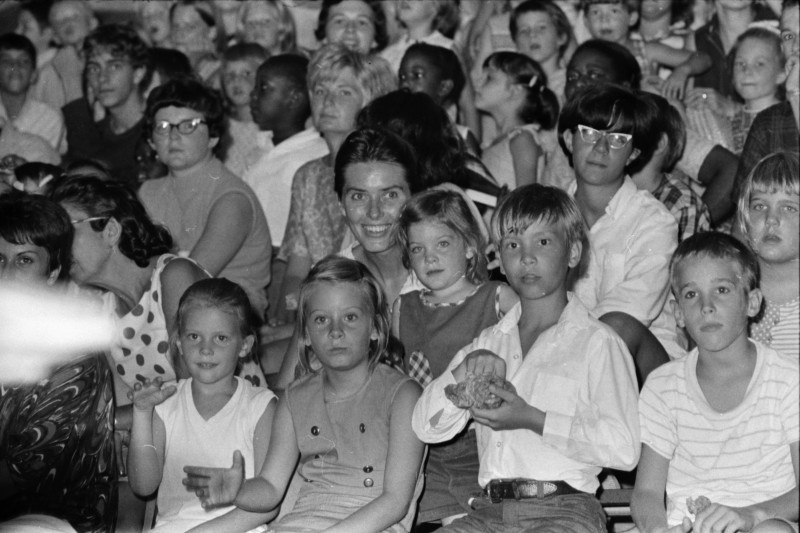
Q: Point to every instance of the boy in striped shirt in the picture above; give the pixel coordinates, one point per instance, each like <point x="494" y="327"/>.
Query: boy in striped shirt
<point x="722" y="422"/>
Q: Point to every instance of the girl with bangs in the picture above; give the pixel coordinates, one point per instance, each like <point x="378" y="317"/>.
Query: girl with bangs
<point x="348" y="422"/>
<point x="769" y="214"/>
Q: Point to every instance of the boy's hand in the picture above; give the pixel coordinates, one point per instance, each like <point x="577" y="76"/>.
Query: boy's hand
<point x="480" y="362"/>
<point x="146" y="395"/>
<point x="718" y="517"/>
<point x="513" y="413"/>
<point x="674" y="86"/>
<point x="216" y="486"/>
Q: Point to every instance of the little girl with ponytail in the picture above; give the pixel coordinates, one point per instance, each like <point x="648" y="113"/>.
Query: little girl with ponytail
<point x="514" y="92"/>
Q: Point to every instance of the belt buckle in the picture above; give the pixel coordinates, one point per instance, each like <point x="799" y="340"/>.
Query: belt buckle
<point x="493" y="492"/>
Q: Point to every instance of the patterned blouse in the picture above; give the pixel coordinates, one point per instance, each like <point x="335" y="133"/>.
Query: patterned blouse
<point x="57" y="441"/>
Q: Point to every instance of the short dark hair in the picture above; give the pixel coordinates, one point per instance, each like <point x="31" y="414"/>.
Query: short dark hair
<point x="292" y="67"/>
<point x="35" y="219"/>
<point x="448" y="64"/>
<point x="627" y="69"/>
<point x="670" y="123"/>
<point x="244" y="52"/>
<point x="716" y="245"/>
<point x="381" y="34"/>
<point x="121" y="41"/>
<point x="16" y="42"/>
<point x="170" y="64"/>
<point x="192" y="94"/>
<point x="368" y="145"/>
<point x="141" y="238"/>
<point x="618" y="107"/>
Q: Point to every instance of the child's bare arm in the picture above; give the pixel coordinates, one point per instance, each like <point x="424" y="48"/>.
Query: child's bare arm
<point x="223" y="236"/>
<point x="148" y="436"/>
<point x="403" y="461"/>
<point x="722" y="518"/>
<point x="685" y="63"/>
<point x="647" y="502"/>
<point x="525" y="157"/>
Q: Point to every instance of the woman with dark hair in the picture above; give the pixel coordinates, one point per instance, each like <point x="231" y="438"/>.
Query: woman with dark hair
<point x="57" y="466"/>
<point x="121" y="251"/>
<point x="374" y="174"/>
<point x="360" y="25"/>
<point x="212" y="214"/>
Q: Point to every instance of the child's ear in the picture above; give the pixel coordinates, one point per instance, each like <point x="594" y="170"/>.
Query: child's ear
<point x="782" y="77"/>
<point x="373" y="336"/>
<point x="634" y="18"/>
<point x="634" y="154"/>
<point x="754" y="299"/>
<point x="445" y="87"/>
<point x="247" y="345"/>
<point x="678" y="313"/>
<point x="34" y="77"/>
<point x="663" y="144"/>
<point x="568" y="136"/>
<point x="575" y="254"/>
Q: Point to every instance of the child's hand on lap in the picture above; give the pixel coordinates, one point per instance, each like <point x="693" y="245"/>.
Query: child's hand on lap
<point x="146" y="395"/>
<point x="480" y="362"/>
<point x="718" y="517"/>
<point x="216" y="486"/>
<point x="513" y="413"/>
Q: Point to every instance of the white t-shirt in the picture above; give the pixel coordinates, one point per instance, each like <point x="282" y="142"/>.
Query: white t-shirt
<point x="736" y="458"/>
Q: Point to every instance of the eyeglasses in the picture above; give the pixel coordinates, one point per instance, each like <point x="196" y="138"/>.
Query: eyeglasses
<point x="184" y="127"/>
<point x="87" y="219"/>
<point x="616" y="141"/>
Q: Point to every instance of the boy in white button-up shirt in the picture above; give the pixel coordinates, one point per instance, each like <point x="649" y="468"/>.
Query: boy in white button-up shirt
<point x="572" y="409"/>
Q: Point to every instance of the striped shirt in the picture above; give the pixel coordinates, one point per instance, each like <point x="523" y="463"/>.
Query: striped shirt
<point x="736" y="458"/>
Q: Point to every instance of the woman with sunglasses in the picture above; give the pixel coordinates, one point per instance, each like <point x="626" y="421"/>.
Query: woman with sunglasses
<point x="119" y="251"/>
<point x="213" y="216"/>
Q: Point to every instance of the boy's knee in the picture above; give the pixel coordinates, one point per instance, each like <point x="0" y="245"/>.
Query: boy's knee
<point x="774" y="525"/>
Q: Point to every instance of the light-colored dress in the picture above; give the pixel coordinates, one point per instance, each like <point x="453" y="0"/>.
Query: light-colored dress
<point x="498" y="159"/>
<point x="343" y="446"/>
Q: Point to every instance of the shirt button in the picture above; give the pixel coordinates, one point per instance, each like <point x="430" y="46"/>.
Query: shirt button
<point x="516" y="356"/>
<point x="499" y="444"/>
<point x="367" y="469"/>
<point x="316" y="456"/>
<point x="368" y="482"/>
<point x="362" y="428"/>
<point x="314" y="430"/>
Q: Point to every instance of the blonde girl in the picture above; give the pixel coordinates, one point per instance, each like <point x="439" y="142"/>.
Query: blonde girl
<point x="347" y="423"/>
<point x="769" y="214"/>
<point x="203" y="419"/>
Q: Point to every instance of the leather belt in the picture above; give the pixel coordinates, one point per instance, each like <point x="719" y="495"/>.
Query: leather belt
<point x="520" y="488"/>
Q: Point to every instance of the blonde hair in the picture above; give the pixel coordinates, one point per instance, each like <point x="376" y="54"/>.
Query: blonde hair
<point x="287" y="32"/>
<point x="374" y="74"/>
<point x="777" y="172"/>
<point x="334" y="270"/>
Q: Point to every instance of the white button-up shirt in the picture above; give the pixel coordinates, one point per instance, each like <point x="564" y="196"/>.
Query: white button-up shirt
<point x="579" y="373"/>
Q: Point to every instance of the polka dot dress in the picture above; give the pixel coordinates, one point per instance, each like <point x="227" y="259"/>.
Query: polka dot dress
<point x="142" y="348"/>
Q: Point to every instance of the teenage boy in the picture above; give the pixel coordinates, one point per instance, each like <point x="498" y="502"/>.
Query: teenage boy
<point x="33" y="22"/>
<point x="279" y="103"/>
<point x="571" y="409"/>
<point x="609" y="133"/>
<point x="722" y="423"/>
<point x="117" y="73"/>
<point x="17" y="105"/>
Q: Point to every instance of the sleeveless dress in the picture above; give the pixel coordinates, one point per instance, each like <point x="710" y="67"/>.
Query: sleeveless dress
<point x="498" y="159"/>
<point x="343" y="445"/>
<point x="432" y="334"/>
<point x="183" y="204"/>
<point x="141" y="347"/>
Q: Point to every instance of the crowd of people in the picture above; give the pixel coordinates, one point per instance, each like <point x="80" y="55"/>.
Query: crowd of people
<point x="407" y="265"/>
